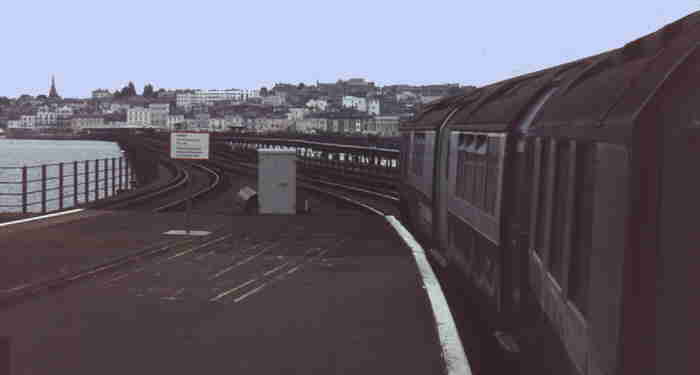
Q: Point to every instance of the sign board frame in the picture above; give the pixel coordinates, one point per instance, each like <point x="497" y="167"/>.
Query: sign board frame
<point x="190" y="139"/>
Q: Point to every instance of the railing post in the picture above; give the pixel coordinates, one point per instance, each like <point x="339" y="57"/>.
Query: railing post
<point x="121" y="174"/>
<point x="75" y="183"/>
<point x="24" y="190"/>
<point x="106" y="182"/>
<point x="127" y="175"/>
<point x="86" y="182"/>
<point x="60" y="186"/>
<point x="43" y="188"/>
<point x="97" y="179"/>
<point x="114" y="176"/>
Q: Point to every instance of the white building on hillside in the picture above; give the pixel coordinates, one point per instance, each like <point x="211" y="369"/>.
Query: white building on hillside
<point x="65" y="111"/>
<point x="274" y="100"/>
<point x="45" y="118"/>
<point x="174" y="120"/>
<point x="209" y="97"/>
<point x="87" y="122"/>
<point x="317" y="104"/>
<point x="119" y="107"/>
<point x="355" y="102"/>
<point x="159" y="114"/>
<point x="297" y="113"/>
<point x="28" y="121"/>
<point x="138" y="116"/>
<point x="311" y="125"/>
<point x="385" y="125"/>
<point x="373" y="107"/>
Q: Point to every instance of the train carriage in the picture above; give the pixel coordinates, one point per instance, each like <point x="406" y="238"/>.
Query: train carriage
<point x="563" y="199"/>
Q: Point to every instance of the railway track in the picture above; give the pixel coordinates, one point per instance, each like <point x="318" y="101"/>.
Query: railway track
<point x="154" y="198"/>
<point x="172" y="196"/>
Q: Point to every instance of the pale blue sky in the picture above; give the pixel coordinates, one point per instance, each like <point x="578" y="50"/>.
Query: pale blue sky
<point x="227" y="44"/>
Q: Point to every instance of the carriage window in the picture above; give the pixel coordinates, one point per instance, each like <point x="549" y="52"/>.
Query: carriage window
<point x="541" y="200"/>
<point x="418" y="154"/>
<point x="583" y="225"/>
<point x="464" y="170"/>
<point x="492" y="173"/>
<point x="561" y="183"/>
<point x="461" y="155"/>
<point x="469" y="168"/>
<point x="479" y="157"/>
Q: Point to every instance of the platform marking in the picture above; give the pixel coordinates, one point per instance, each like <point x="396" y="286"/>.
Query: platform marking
<point x="197" y="247"/>
<point x="114" y="279"/>
<point x="294" y="269"/>
<point x="452" y="350"/>
<point x="241" y="298"/>
<point x="41" y="217"/>
<point x="244" y="261"/>
<point x="224" y="294"/>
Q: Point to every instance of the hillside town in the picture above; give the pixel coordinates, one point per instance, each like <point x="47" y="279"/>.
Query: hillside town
<point x="354" y="106"/>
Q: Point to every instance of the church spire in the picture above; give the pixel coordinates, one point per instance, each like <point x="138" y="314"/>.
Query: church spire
<point x="53" y="93"/>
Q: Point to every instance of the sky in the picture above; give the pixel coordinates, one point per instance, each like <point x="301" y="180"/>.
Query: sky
<point x="212" y="44"/>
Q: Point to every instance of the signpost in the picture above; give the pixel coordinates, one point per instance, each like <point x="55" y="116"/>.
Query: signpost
<point x="189" y="146"/>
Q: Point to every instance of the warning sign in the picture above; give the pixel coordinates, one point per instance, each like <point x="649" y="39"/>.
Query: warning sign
<point x="189" y="146"/>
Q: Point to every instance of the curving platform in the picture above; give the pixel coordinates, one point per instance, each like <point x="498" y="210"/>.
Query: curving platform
<point x="335" y="291"/>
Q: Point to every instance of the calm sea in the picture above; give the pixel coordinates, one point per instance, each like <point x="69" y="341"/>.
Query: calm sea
<point x="15" y="153"/>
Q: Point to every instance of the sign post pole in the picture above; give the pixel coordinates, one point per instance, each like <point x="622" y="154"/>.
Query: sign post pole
<point x="189" y="146"/>
<point x="188" y="209"/>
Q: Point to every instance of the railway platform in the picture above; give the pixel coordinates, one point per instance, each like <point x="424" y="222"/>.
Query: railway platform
<point x="334" y="291"/>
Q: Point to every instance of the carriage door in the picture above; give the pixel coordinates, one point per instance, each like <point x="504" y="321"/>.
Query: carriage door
<point x="517" y="190"/>
<point x="517" y="205"/>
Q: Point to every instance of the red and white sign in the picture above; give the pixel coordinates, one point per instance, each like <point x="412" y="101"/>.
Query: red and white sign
<point x="189" y="146"/>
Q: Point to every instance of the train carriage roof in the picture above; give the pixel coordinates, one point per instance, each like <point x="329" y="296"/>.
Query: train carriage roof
<point x="598" y="96"/>
<point x="434" y="114"/>
<point x="500" y="110"/>
<point x="603" y="102"/>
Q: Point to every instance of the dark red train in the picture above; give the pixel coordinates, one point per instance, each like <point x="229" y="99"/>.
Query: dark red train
<point x="566" y="199"/>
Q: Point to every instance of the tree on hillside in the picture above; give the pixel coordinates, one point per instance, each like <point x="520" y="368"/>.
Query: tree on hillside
<point x="4" y="100"/>
<point x="263" y="91"/>
<point x="131" y="89"/>
<point x="148" y="91"/>
<point x="126" y="91"/>
<point x="301" y="86"/>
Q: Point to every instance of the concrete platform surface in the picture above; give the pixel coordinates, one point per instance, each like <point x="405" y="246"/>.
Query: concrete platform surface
<point x="273" y="294"/>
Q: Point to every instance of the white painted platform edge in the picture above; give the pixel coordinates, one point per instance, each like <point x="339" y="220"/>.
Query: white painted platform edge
<point x="183" y="232"/>
<point x="452" y="350"/>
<point x="42" y="217"/>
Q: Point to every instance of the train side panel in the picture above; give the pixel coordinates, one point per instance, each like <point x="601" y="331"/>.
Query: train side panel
<point x="473" y="200"/>
<point x="417" y="189"/>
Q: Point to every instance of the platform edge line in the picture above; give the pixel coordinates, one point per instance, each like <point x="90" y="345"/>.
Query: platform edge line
<point x="456" y="361"/>
<point x="42" y="217"/>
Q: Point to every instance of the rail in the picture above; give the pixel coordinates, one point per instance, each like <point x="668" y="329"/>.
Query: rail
<point x="347" y="139"/>
<point x="49" y="187"/>
<point x="328" y="155"/>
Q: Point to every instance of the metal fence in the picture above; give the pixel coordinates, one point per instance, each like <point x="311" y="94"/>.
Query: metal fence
<point x="51" y="187"/>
